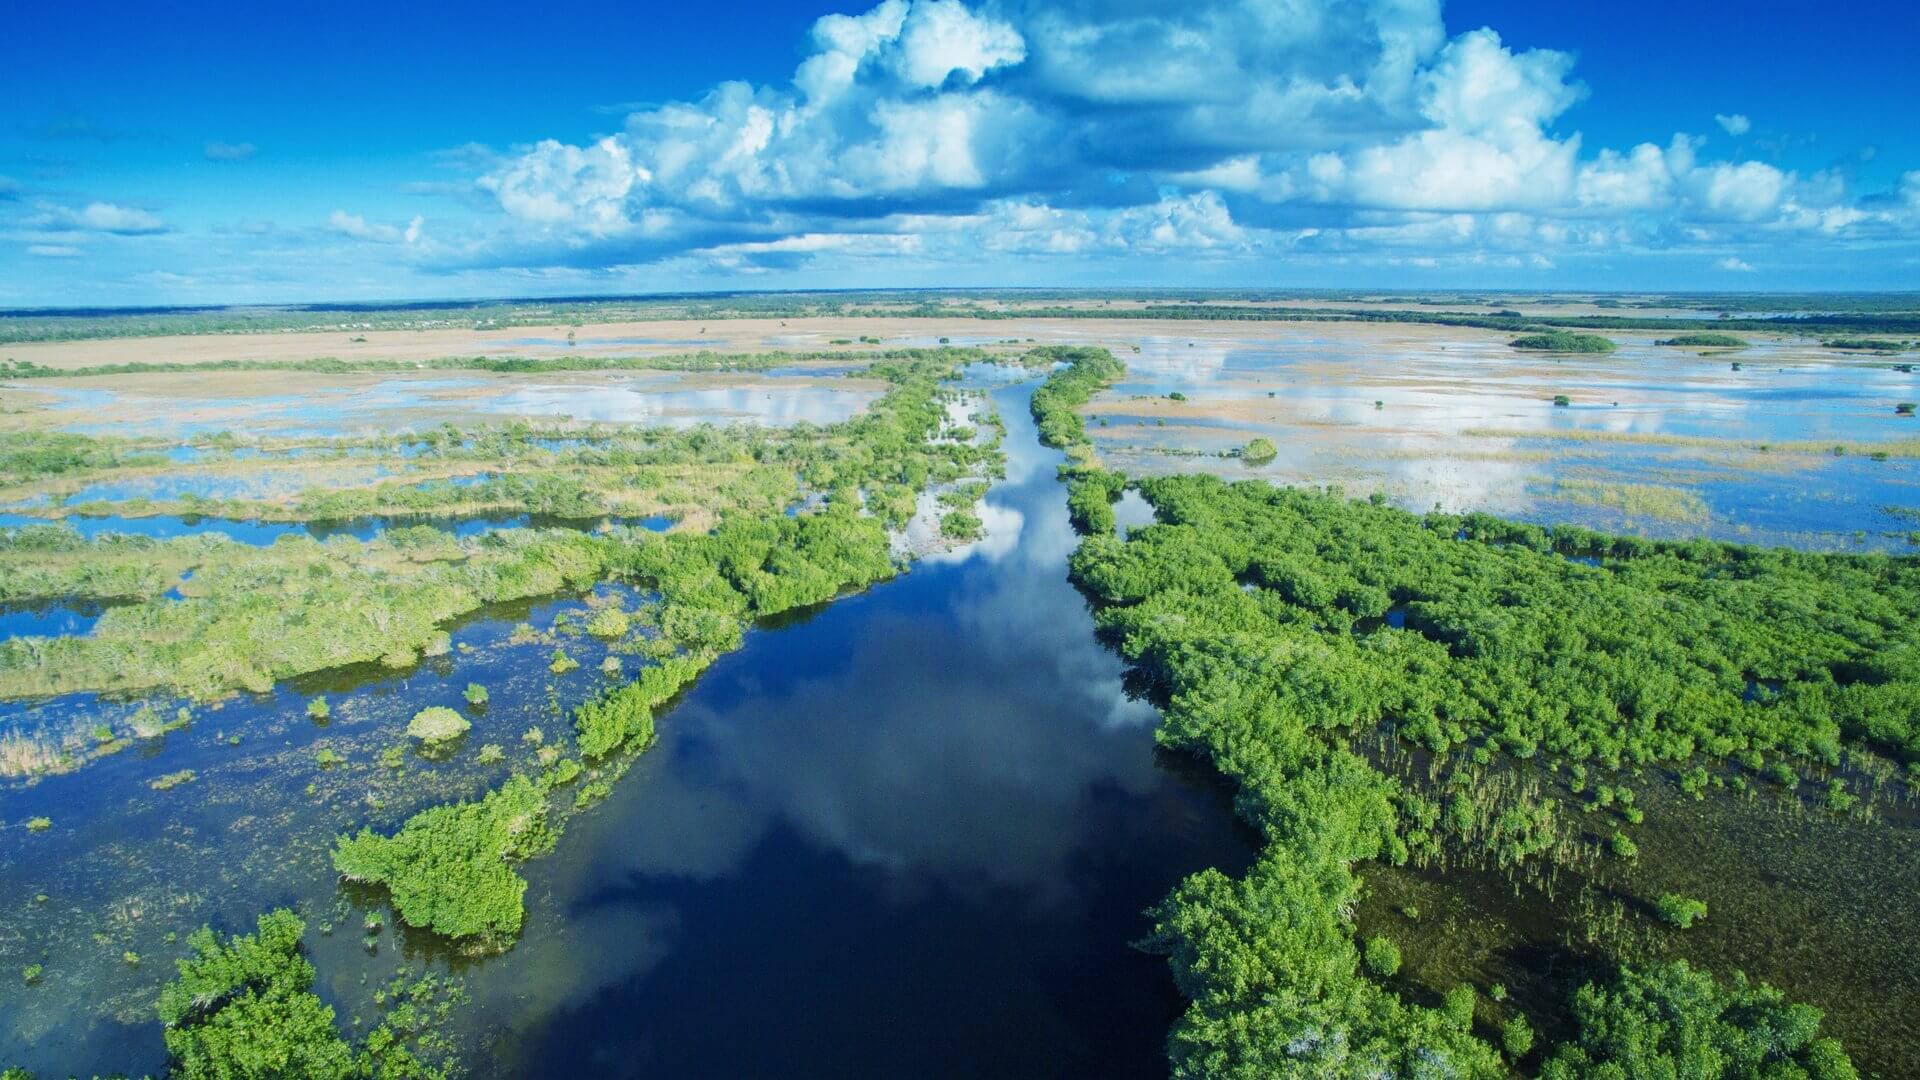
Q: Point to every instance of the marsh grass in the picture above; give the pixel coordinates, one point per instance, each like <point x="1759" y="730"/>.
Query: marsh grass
<point x="1654" y="501"/>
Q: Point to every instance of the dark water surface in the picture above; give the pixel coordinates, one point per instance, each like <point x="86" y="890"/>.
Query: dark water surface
<point x="909" y="833"/>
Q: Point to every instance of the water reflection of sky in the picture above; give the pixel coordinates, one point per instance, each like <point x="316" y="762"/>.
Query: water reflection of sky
<point x="777" y="406"/>
<point x="255" y="484"/>
<point x="1465" y="424"/>
<point x="944" y="768"/>
<point x="391" y="404"/>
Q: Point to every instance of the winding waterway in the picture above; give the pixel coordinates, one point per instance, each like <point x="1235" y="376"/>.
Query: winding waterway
<point x="909" y="833"/>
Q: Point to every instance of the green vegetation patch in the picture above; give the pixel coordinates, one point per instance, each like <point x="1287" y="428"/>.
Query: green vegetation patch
<point x="1259" y="450"/>
<point x="960" y="525"/>
<point x="1260" y="616"/>
<point x="437" y="724"/>
<point x="1563" y="341"/>
<point x="449" y="868"/>
<point x="624" y="717"/>
<point x="1637" y="501"/>
<point x="171" y="780"/>
<point x="1864" y="344"/>
<point x="1675" y="1021"/>
<point x="1056" y="403"/>
<point x="1705" y="341"/>
<point x="245" y="1007"/>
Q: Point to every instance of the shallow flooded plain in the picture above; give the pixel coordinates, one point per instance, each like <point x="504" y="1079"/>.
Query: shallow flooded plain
<point x="1799" y="445"/>
<point x="306" y="405"/>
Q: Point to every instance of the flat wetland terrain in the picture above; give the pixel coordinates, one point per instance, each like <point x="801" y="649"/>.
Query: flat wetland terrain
<point x="900" y="808"/>
<point x="1799" y="445"/>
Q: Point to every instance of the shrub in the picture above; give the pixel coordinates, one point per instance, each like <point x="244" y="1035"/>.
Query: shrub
<point x="609" y="623"/>
<point x="1382" y="957"/>
<point x="1680" y="911"/>
<point x="317" y="709"/>
<point x="476" y="695"/>
<point x="1838" y="798"/>
<point x="437" y="724"/>
<point x="624" y="716"/>
<point x="1259" y="450"/>
<point x="962" y="524"/>
<point x="1458" y="1005"/>
<point x="1674" y="1021"/>
<point x="1516" y="1037"/>
<point x="1623" y="846"/>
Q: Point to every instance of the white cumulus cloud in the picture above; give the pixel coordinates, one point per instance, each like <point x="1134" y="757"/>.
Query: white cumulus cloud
<point x="1048" y="127"/>
<point x="101" y="217"/>
<point x="359" y="228"/>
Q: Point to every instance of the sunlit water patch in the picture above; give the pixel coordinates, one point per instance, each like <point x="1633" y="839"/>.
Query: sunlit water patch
<point x="1650" y="440"/>
<point x="250" y="484"/>
<point x="625" y="403"/>
<point x="395" y="404"/>
<point x="48" y="619"/>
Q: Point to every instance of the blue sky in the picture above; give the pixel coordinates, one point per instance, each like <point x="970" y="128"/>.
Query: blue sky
<point x="232" y="153"/>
